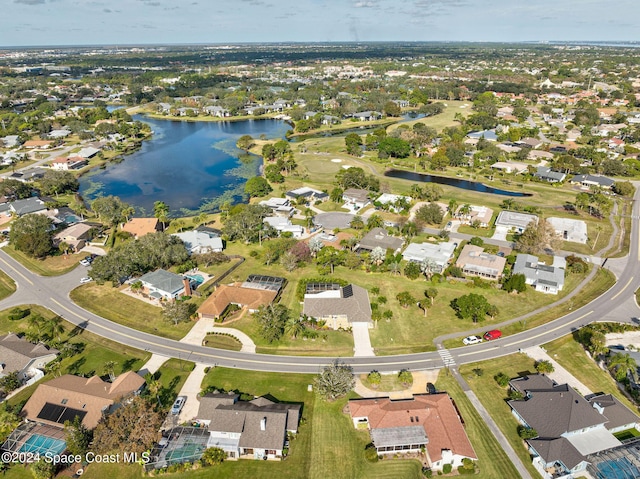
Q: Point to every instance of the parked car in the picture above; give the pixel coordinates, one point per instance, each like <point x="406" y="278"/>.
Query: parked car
<point x="178" y="404"/>
<point x="472" y="340"/>
<point x="84" y="262"/>
<point x="493" y="334"/>
<point x="431" y="389"/>
<point x="84" y="280"/>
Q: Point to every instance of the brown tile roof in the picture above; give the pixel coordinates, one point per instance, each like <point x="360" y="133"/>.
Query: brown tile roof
<point x="35" y="143"/>
<point x="435" y="412"/>
<point x="92" y="396"/>
<point x="225" y="295"/>
<point x="141" y="226"/>
<point x="76" y="231"/>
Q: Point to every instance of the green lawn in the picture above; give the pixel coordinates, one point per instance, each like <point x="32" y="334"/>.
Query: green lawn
<point x="493" y="461"/>
<point x="7" y="285"/>
<point x="627" y="434"/>
<point x="50" y="266"/>
<point x="493" y="397"/>
<point x="172" y="375"/>
<point x="222" y="341"/>
<point x="110" y="303"/>
<point x="388" y="382"/>
<point x="572" y="356"/>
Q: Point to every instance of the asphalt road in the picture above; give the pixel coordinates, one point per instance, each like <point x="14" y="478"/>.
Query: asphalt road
<point x="53" y="292"/>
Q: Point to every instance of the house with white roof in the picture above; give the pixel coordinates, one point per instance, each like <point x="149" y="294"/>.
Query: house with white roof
<point x="284" y="225"/>
<point x="569" y="229"/>
<point x="439" y="254"/>
<point x="200" y="242"/>
<point x="515" y="221"/>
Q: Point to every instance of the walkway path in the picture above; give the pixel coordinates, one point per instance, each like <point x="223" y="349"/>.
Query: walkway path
<point x="203" y="326"/>
<point x="559" y="374"/>
<point x="493" y="427"/>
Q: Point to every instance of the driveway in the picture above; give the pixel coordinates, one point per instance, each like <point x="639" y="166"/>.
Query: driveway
<point x="331" y="221"/>
<point x="501" y="233"/>
<point x="361" y="341"/>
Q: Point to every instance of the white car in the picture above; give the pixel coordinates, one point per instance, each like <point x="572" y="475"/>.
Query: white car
<point x="84" y="280"/>
<point x="177" y="405"/>
<point x="84" y="262"/>
<point x="472" y="340"/>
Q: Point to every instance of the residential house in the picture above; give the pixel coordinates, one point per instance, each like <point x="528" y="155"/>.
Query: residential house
<point x="392" y="200"/>
<point x="535" y="155"/>
<point x="161" y="284"/>
<point x="437" y="254"/>
<point x="225" y="295"/>
<point x="379" y="238"/>
<point x="88" y="152"/>
<point x="27" y="206"/>
<point x="330" y="120"/>
<point x="164" y="107"/>
<point x="355" y="198"/>
<point x="544" y="278"/>
<point x="279" y="206"/>
<point x="367" y="115"/>
<point x="138" y="227"/>
<point x="339" y="306"/>
<point x="21" y="356"/>
<point x="590" y="181"/>
<point x="200" y="242"/>
<point x="215" y="110"/>
<point x="255" y="429"/>
<point x="514" y="221"/>
<point x="55" y="134"/>
<point x="70" y="163"/>
<point x="37" y="144"/>
<point x="533" y="143"/>
<point x="480" y="215"/>
<point x="607" y="129"/>
<point x="475" y="262"/>
<point x="571" y="429"/>
<point x="11" y="141"/>
<point x="401" y="103"/>
<point x="426" y="422"/>
<point x="569" y="229"/>
<point x="283" y="225"/>
<point x="489" y="135"/>
<point x="306" y="193"/>
<point x="28" y="175"/>
<point x="547" y="174"/>
<point x="510" y="167"/>
<point x="67" y="397"/>
<point x="76" y="236"/>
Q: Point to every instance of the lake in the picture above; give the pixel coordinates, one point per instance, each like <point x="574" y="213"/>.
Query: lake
<point x="191" y="166"/>
<point x="443" y="180"/>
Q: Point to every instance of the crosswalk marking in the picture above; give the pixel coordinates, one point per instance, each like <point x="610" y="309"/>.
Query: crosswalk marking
<point x="446" y="357"/>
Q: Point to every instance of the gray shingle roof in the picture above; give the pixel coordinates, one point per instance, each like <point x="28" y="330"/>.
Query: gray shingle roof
<point x="16" y="352"/>
<point x="378" y="237"/>
<point x="538" y="273"/>
<point x="163" y="280"/>
<point x="399" y="436"/>
<point x="557" y="449"/>
<point x="356" y="306"/>
<point x="616" y="412"/>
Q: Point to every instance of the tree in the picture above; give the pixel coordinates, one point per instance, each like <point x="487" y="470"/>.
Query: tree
<point x="412" y="270"/>
<point x="476" y="241"/>
<point x="133" y="427"/>
<point x="335" y="380"/>
<point x="245" y="142"/>
<point x="10" y="382"/>
<point x="375" y="221"/>
<point x="353" y="142"/>
<point x="515" y="282"/>
<point x="374" y="378"/>
<point x="623" y="188"/>
<point x="336" y="195"/>
<point x="77" y="436"/>
<point x="393" y="147"/>
<point x="289" y="261"/>
<point x="622" y="364"/>
<point x="272" y="319"/>
<point x="257" y="186"/>
<point x="431" y="294"/>
<point x="315" y="245"/>
<point x="544" y="366"/>
<point x="471" y="306"/>
<point x="405" y="299"/>
<point x="110" y="368"/>
<point x="357" y="222"/>
<point x="430" y="213"/>
<point x="247" y="223"/>
<point x="355" y="177"/>
<point x="391" y="108"/>
<point x="527" y="432"/>
<point x="330" y="257"/>
<point x="177" y="311"/>
<point x="502" y="379"/>
<point x="537" y="237"/>
<point x="110" y="209"/>
<point x="405" y="377"/>
<point x="213" y="456"/>
<point x="294" y="327"/>
<point x="179" y="224"/>
<point x="161" y="211"/>
<point x="378" y="255"/>
<point x="9" y="420"/>
<point x="55" y="182"/>
<point x="53" y="328"/>
<point x="32" y="235"/>
<point x="14" y="189"/>
<point x="43" y="469"/>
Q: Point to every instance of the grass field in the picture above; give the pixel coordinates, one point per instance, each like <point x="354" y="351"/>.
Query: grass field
<point x="172" y="375"/>
<point x="492" y="459"/>
<point x="388" y="382"/>
<point x="493" y="397"/>
<point x="7" y="285"/>
<point x="110" y="303"/>
<point x="222" y="341"/>
<point x="50" y="266"/>
<point x="571" y="355"/>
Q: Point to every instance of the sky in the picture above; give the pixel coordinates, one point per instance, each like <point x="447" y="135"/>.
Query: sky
<point x="126" y="22"/>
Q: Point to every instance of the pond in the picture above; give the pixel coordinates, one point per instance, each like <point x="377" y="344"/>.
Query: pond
<point x="191" y="166"/>
<point x="457" y="183"/>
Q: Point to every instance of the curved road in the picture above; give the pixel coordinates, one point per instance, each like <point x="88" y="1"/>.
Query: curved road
<point x="617" y="304"/>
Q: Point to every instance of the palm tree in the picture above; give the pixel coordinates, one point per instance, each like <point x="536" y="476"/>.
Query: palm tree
<point x="127" y="213"/>
<point x="154" y="387"/>
<point x="294" y="327"/>
<point x="427" y="267"/>
<point x="453" y="205"/>
<point x="64" y="248"/>
<point x="179" y="224"/>
<point x="203" y="218"/>
<point x="136" y="286"/>
<point x="621" y="365"/>
<point x="465" y="210"/>
<point x="161" y="211"/>
<point x="109" y="368"/>
<point x="54" y="327"/>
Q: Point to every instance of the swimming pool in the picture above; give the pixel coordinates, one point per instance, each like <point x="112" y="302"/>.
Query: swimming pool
<point x="43" y="444"/>
<point x="617" y="469"/>
<point x="198" y="278"/>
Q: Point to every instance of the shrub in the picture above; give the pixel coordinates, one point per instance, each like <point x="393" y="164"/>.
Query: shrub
<point x="18" y="313"/>
<point x="446" y="469"/>
<point x="370" y="453"/>
<point x="426" y="472"/>
<point x="527" y="432"/>
<point x="502" y="379"/>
